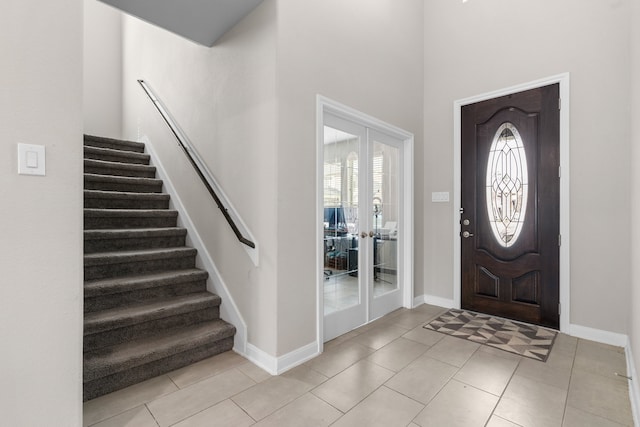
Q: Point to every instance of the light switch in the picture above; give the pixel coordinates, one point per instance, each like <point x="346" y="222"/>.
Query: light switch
<point x="440" y="196"/>
<point x="31" y="159"/>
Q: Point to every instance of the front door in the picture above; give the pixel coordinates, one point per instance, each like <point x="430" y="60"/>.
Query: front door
<point x="510" y="206"/>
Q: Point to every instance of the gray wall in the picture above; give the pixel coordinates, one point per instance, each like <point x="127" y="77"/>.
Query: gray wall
<point x="224" y="99"/>
<point x="634" y="312"/>
<point x="41" y="217"/>
<point x="367" y="55"/>
<point x="102" y="62"/>
<point x="480" y="46"/>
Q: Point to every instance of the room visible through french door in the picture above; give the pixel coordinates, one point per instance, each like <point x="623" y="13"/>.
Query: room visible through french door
<point x="362" y="225"/>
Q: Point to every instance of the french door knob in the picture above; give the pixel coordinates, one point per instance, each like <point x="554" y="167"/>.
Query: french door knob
<point x="371" y="234"/>
<point x="363" y="234"/>
<point x="466" y="234"/>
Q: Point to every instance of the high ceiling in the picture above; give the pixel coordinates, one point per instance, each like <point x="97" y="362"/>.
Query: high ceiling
<point x="202" y="21"/>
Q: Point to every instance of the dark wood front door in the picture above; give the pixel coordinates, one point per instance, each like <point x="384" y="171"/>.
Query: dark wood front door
<point x="510" y="216"/>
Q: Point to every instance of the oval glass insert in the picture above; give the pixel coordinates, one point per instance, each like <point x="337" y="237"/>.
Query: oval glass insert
<point x="507" y="185"/>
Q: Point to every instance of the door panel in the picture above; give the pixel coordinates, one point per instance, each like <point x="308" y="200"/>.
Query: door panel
<point x="386" y="194"/>
<point x="345" y="292"/>
<point x="510" y="206"/>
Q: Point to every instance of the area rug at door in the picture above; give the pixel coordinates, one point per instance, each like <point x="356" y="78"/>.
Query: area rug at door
<point x="526" y="340"/>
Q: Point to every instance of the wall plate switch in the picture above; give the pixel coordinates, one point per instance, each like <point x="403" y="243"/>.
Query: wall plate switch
<point x="31" y="159"/>
<point x="440" y="196"/>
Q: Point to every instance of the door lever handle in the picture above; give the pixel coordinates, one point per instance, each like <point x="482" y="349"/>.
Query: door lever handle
<point x="466" y="234"/>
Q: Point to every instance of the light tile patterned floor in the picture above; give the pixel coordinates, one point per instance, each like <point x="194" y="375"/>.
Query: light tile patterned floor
<point x="392" y="372"/>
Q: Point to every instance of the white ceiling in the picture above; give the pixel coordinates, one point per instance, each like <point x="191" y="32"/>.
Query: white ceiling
<point x="202" y="21"/>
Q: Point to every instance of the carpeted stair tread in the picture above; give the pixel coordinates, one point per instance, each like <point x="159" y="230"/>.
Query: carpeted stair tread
<point x="110" y="240"/>
<point x="139" y="233"/>
<point x="103" y="167"/>
<point x="100" y="219"/>
<point x="116" y="144"/>
<point x="102" y="287"/>
<point x="103" y="258"/>
<point x="111" y="155"/>
<point x="120" y="317"/>
<point x="122" y="183"/>
<point x="107" y="361"/>
<point x="101" y="199"/>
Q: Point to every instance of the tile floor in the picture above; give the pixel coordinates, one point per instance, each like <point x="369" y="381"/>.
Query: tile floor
<point x="391" y="372"/>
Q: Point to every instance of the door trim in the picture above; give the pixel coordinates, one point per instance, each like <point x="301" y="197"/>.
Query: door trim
<point x="565" y="270"/>
<point x="327" y="105"/>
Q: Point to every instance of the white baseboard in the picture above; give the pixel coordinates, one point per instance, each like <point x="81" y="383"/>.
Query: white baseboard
<point x="278" y="365"/>
<point x="598" y="335"/>
<point x="634" y="389"/>
<point x="439" y="301"/>
<point x="228" y="309"/>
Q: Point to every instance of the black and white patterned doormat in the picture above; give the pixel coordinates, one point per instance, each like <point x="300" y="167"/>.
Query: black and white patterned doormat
<point x="526" y="340"/>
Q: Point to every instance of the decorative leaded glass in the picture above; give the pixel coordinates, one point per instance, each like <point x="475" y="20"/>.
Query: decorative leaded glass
<point x="507" y="185"/>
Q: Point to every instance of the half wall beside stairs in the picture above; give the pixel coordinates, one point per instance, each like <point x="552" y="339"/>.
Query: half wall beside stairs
<point x="147" y="310"/>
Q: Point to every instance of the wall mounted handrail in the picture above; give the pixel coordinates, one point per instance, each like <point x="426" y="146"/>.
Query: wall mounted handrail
<point x="194" y="159"/>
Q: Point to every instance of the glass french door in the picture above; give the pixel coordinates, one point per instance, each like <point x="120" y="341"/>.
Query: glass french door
<point x="362" y="199"/>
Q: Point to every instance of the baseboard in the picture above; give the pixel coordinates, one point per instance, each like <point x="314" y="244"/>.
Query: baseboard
<point x="228" y="309"/>
<point x="634" y="389"/>
<point x="439" y="301"/>
<point x="598" y="335"/>
<point x="278" y="365"/>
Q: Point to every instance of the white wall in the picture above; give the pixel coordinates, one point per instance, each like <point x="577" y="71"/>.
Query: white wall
<point x="224" y="99"/>
<point x="102" y="62"/>
<point x="367" y="55"/>
<point x="41" y="217"/>
<point x="484" y="45"/>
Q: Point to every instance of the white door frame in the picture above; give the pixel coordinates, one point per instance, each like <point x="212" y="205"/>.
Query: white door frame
<point x="565" y="278"/>
<point x="326" y="105"/>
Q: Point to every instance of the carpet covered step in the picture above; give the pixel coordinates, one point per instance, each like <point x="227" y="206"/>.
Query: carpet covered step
<point x="110" y="155"/>
<point x="119" y="366"/>
<point x="116" y="144"/>
<point x="124" y="263"/>
<point x="147" y="308"/>
<point x="132" y="239"/>
<point x="122" y="183"/>
<point x="98" y="199"/>
<point x="100" y="167"/>
<point x="99" y="219"/>
<point x="103" y="294"/>
<point x="121" y="324"/>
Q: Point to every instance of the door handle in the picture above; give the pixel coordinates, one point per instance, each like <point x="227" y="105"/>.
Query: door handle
<point x="371" y="234"/>
<point x="466" y="234"/>
<point x="364" y="234"/>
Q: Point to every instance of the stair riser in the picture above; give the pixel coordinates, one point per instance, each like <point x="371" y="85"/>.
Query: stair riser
<point x="128" y="203"/>
<point x="153" y="369"/>
<point x="139" y="267"/>
<point x="105" y="302"/>
<point x="103" y="223"/>
<point x="146" y="329"/>
<point x="114" y="144"/>
<point x="110" y="245"/>
<point x="116" y="157"/>
<point x="134" y="173"/>
<point x="128" y="187"/>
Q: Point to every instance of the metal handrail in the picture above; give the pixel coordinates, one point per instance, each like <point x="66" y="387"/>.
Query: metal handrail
<point x="187" y="151"/>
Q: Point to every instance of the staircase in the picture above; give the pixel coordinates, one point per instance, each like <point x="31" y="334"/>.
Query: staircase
<point x="147" y="310"/>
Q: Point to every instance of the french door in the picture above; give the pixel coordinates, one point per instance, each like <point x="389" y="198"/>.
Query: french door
<point x="362" y="225"/>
